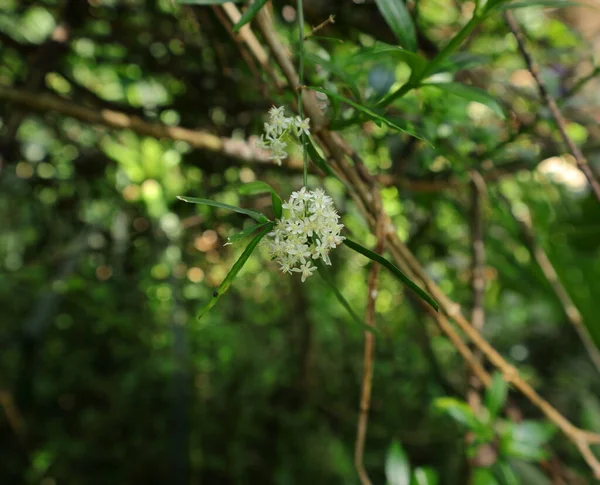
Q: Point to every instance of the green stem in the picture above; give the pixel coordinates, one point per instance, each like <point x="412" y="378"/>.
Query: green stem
<point x="301" y="82"/>
<point x="452" y="46"/>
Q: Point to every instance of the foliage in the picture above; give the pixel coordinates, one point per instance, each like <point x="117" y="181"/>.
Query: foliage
<point x="106" y="374"/>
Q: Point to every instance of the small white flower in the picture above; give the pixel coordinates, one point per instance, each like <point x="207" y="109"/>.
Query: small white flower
<point x="280" y="128"/>
<point x="306" y="269"/>
<point x="301" y="126"/>
<point x="308" y="233"/>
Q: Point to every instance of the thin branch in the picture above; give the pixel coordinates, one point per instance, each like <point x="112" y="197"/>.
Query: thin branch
<point x="478" y="196"/>
<point x="368" y="198"/>
<point x="199" y="139"/>
<point x="369" y="350"/>
<point x="523" y="219"/>
<point x="325" y="23"/>
<point x="552" y="106"/>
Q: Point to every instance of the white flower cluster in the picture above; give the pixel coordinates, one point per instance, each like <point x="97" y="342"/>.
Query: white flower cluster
<point x="309" y="233"/>
<point x="277" y="131"/>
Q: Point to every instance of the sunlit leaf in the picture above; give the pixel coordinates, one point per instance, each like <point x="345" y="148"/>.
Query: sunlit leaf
<point x="393" y="269"/>
<point x="399" y="20"/>
<point x="397" y="467"/>
<point x="424" y="476"/>
<point x="525" y="440"/>
<point x="458" y="410"/>
<point x="239" y="264"/>
<point x="257" y="216"/>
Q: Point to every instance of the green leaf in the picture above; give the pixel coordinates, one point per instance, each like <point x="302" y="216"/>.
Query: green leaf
<point x="470" y="93"/>
<point x="239" y="264"/>
<point x="277" y="205"/>
<point x="483" y="476"/>
<point x="206" y="2"/>
<point x="529" y="473"/>
<point x="249" y="14"/>
<point x="381" y="50"/>
<point x="369" y="113"/>
<point x="397" y="467"/>
<point x="257" y="216"/>
<point x="461" y="61"/>
<point x="424" y="476"/>
<point x="459" y="411"/>
<point x="543" y="3"/>
<point x="242" y="234"/>
<point x="525" y="440"/>
<point x="505" y="474"/>
<point x="259" y="187"/>
<point x="399" y="20"/>
<point x="495" y="395"/>
<point x="338" y="71"/>
<point x="318" y="160"/>
<point x="393" y="269"/>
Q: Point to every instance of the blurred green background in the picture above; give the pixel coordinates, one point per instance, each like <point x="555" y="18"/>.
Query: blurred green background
<point x="106" y="377"/>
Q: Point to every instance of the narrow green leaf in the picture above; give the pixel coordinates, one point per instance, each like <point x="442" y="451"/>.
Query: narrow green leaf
<point x="470" y="93"/>
<point x="424" y="476"/>
<point x="399" y="20"/>
<point x="397" y="467"/>
<point x="505" y="474"/>
<point x="249" y="14"/>
<point x="318" y="160"/>
<point x="382" y="51"/>
<point x="259" y="187"/>
<point x="239" y="264"/>
<point x="495" y="395"/>
<point x="393" y="269"/>
<point x="368" y="112"/>
<point x="457" y="410"/>
<point x="277" y="205"/>
<point x="525" y="440"/>
<point x="242" y="234"/>
<point x="462" y="60"/>
<point x="544" y="3"/>
<point x="257" y="216"/>
<point x="255" y="188"/>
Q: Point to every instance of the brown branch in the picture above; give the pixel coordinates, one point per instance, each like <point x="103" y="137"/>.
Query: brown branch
<point x="369" y="350"/>
<point x="367" y="197"/>
<point x="325" y="23"/>
<point x="115" y="119"/>
<point x="552" y="106"/>
<point x="523" y="219"/>
<point x="478" y="195"/>
<point x="13" y="416"/>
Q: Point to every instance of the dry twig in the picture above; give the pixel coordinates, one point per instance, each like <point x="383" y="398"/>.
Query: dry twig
<point x="325" y="23"/>
<point x="369" y="351"/>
